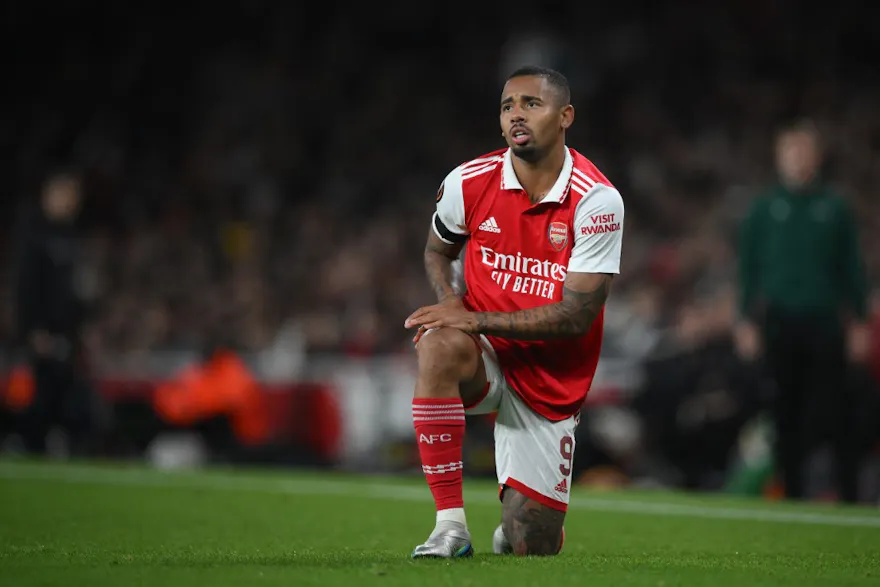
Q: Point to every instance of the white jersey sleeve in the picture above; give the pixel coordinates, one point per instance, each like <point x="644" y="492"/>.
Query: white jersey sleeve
<point x="449" y="220"/>
<point x="598" y="232"/>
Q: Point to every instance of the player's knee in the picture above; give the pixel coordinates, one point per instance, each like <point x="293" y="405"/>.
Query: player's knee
<point x="447" y="352"/>
<point x="531" y="528"/>
<point x="532" y="541"/>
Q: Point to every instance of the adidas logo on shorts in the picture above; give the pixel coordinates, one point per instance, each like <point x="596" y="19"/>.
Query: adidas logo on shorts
<point x="562" y="486"/>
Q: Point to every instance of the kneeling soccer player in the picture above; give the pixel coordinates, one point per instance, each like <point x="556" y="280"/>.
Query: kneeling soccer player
<point x="543" y="230"/>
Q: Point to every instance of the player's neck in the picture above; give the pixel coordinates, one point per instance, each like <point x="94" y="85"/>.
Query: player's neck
<point x="539" y="177"/>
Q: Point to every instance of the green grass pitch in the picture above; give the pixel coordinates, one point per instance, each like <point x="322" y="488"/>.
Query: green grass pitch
<point x="103" y="525"/>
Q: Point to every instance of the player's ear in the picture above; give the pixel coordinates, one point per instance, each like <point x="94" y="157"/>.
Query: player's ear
<point x="566" y="116"/>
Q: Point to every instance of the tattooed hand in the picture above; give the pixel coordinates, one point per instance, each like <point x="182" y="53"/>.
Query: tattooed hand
<point x="451" y="301"/>
<point x="448" y="314"/>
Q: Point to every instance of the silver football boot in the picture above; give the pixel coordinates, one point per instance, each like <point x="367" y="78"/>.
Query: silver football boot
<point x="500" y="544"/>
<point x="448" y="540"/>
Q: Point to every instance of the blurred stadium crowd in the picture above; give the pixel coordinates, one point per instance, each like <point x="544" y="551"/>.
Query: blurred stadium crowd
<point x="265" y="174"/>
<point x="258" y="186"/>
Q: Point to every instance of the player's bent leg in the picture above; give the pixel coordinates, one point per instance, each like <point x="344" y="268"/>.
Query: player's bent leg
<point x="451" y="375"/>
<point x="533" y="459"/>
<point x="528" y="527"/>
<point x="450" y="366"/>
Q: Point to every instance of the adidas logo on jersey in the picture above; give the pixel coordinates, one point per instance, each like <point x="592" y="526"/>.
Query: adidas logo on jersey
<point x="490" y="225"/>
<point x="562" y="486"/>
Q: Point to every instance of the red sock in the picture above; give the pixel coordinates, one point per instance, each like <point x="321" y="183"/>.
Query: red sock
<point x="439" y="425"/>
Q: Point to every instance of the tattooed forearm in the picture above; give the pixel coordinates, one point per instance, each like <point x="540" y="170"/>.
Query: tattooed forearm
<point x="573" y="316"/>
<point x="439" y="270"/>
<point x="530" y="527"/>
<point x="438" y="266"/>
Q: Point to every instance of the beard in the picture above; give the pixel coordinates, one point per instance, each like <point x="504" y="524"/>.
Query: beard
<point x="528" y="153"/>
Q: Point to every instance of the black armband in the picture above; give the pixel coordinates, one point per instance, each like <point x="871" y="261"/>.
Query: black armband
<point x="447" y="235"/>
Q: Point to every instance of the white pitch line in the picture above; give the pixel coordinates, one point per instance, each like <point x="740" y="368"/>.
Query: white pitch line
<point x="387" y="491"/>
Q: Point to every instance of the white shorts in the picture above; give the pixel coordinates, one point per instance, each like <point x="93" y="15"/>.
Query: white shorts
<point x="533" y="455"/>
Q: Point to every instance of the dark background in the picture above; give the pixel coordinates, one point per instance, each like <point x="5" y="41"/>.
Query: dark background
<point x="262" y="176"/>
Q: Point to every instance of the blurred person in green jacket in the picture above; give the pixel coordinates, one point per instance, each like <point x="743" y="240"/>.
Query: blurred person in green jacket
<point x="803" y="306"/>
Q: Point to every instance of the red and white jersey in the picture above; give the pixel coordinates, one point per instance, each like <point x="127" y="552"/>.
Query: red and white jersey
<point x="518" y="255"/>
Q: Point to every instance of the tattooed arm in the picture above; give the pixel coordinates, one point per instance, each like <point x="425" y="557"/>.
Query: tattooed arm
<point x="439" y="257"/>
<point x="583" y="297"/>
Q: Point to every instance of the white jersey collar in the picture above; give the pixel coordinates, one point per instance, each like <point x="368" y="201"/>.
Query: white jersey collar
<point x="557" y="193"/>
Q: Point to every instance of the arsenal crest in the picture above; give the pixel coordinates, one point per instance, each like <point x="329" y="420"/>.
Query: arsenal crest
<point x="558" y="235"/>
